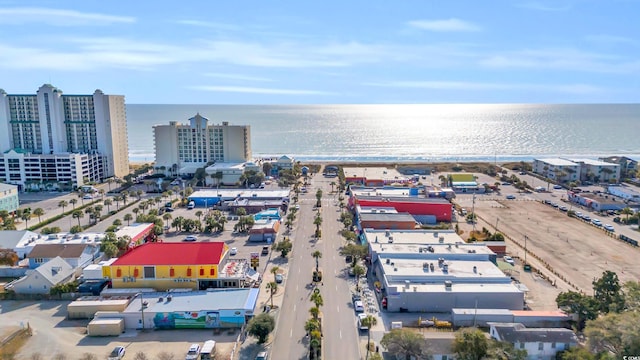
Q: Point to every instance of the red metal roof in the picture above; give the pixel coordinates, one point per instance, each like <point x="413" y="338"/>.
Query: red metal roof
<point x="205" y="253"/>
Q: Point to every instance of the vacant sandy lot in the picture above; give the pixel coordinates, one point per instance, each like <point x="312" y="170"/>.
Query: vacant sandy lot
<point x="576" y="250"/>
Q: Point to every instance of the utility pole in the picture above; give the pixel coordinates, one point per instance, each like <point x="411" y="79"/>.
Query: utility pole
<point x="142" y="310"/>
<point x="473" y="212"/>
<point x="525" y="249"/>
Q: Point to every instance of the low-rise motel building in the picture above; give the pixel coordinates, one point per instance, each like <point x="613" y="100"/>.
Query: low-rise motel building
<point x="164" y="266"/>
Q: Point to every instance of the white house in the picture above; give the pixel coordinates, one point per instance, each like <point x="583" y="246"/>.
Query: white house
<point x="42" y="279"/>
<point x="540" y="343"/>
<point x="76" y="255"/>
<point x="284" y="163"/>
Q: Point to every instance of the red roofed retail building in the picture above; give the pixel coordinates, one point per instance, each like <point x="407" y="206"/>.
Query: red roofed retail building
<point x="164" y="266"/>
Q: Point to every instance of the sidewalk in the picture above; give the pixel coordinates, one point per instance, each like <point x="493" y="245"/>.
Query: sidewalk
<point x="249" y="347"/>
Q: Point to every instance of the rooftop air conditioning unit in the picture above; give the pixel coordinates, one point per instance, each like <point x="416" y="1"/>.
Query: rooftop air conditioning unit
<point x="435" y="234"/>
<point x="441" y="239"/>
<point x="475" y="269"/>
<point x="420" y="250"/>
<point x="407" y="283"/>
<point x="386" y="233"/>
<point x="388" y="261"/>
<point x="448" y="284"/>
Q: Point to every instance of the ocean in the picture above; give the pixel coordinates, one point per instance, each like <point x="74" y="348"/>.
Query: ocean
<point x="410" y="133"/>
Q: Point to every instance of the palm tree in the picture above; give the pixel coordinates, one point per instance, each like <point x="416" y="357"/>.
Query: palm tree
<point x="117" y="222"/>
<point x="166" y="218"/>
<point x="128" y="217"/>
<point x="317" y="255"/>
<point x="317" y="222"/>
<point x="73" y="203"/>
<point x="315" y="312"/>
<point x="77" y="214"/>
<point x="101" y="192"/>
<point x="358" y="271"/>
<point x="107" y="203"/>
<point x="123" y="196"/>
<point x="198" y="214"/>
<point x="273" y="288"/>
<point x="274" y="270"/>
<point x="626" y="211"/>
<point x="63" y="204"/>
<point x="317" y="299"/>
<point x="136" y="211"/>
<point x="333" y="183"/>
<point x="26" y="215"/>
<point x="38" y="212"/>
<point x="369" y="321"/>
<point x="109" y="182"/>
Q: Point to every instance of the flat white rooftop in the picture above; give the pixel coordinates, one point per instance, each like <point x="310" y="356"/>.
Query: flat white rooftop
<point x="133" y="230"/>
<point x="594" y="162"/>
<point x="382" y="191"/>
<point x="61" y="238"/>
<point x="557" y="162"/>
<point x="429" y="251"/>
<point x="456" y="288"/>
<point x="374" y="173"/>
<point x="412" y="236"/>
<point x="241" y="193"/>
<point x="375" y="209"/>
<point x="414" y="270"/>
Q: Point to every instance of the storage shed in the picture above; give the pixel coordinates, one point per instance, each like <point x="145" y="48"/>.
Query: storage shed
<point x="105" y="327"/>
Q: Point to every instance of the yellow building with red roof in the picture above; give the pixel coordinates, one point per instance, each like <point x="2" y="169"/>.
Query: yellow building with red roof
<point x="165" y="266"/>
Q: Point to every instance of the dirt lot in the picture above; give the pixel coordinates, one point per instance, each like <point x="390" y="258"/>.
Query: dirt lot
<point x="576" y="250"/>
<point x="53" y="334"/>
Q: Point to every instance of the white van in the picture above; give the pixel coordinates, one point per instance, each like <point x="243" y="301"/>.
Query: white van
<point x="191" y="205"/>
<point x="207" y="350"/>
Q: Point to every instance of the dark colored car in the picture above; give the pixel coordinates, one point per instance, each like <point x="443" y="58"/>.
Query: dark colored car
<point x="265" y="250"/>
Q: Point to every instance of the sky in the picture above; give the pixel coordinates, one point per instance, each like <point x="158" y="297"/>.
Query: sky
<point x="325" y="52"/>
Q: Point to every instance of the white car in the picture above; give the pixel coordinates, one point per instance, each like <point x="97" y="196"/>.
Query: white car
<point x="233" y="251"/>
<point x="609" y="228"/>
<point x="509" y="260"/>
<point x="194" y="351"/>
<point x="358" y="306"/>
<point x="87" y="197"/>
<point x="596" y="222"/>
<point x="117" y="353"/>
<point x="191" y="238"/>
<point x="361" y="317"/>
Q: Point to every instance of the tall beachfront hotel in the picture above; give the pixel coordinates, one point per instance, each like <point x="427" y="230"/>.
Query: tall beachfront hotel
<point x="183" y="148"/>
<point x="50" y="140"/>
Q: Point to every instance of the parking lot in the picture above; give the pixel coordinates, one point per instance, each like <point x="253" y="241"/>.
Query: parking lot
<point x="54" y="335"/>
<point x="574" y="248"/>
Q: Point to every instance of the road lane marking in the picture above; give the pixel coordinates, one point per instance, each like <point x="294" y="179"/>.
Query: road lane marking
<point x="291" y="333"/>
<point x="340" y="334"/>
<point x="338" y="307"/>
<point x="294" y="307"/>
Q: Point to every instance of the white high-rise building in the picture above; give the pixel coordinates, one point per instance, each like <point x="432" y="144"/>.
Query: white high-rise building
<point x="88" y="132"/>
<point x="183" y="148"/>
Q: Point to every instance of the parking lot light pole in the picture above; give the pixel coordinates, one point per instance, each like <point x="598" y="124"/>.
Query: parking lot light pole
<point x="142" y="309"/>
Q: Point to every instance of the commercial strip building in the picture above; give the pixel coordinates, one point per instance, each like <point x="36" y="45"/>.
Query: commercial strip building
<point x="569" y="170"/>
<point x="9" y="198"/>
<point x="435" y="271"/>
<point x="374" y="176"/>
<point x="424" y="210"/>
<point x="183" y="148"/>
<point x="208" y="198"/>
<point x="55" y="140"/>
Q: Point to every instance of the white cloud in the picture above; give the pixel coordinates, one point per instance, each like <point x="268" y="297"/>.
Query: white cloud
<point x="562" y="59"/>
<point x="209" y="24"/>
<point x="480" y="86"/>
<point x="257" y="90"/>
<point x="448" y="25"/>
<point x="237" y="77"/>
<point x="58" y="17"/>
<point x="609" y="39"/>
<point x="536" y="5"/>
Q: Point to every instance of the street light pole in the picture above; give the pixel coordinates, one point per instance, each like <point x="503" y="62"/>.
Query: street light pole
<point x="142" y="309"/>
<point x="525" y="249"/>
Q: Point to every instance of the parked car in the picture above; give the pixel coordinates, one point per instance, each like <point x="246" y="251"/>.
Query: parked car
<point x="509" y="260"/>
<point x="361" y="318"/>
<point x="117" y="353"/>
<point x="511" y="197"/>
<point x="265" y="250"/>
<point x="87" y="197"/>
<point x="191" y="205"/>
<point x="233" y="251"/>
<point x="191" y="238"/>
<point x="609" y="228"/>
<point x="279" y="278"/>
<point x="194" y="351"/>
<point x="563" y="208"/>
<point x="557" y="187"/>
<point x="262" y="355"/>
<point x="596" y="222"/>
<point x="355" y="297"/>
<point x="358" y="306"/>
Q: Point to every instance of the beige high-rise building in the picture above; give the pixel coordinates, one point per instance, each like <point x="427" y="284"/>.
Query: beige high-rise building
<point x="53" y="125"/>
<point x="183" y="148"/>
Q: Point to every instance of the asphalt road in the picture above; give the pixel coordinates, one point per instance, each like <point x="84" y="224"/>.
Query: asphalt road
<point x="338" y="320"/>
